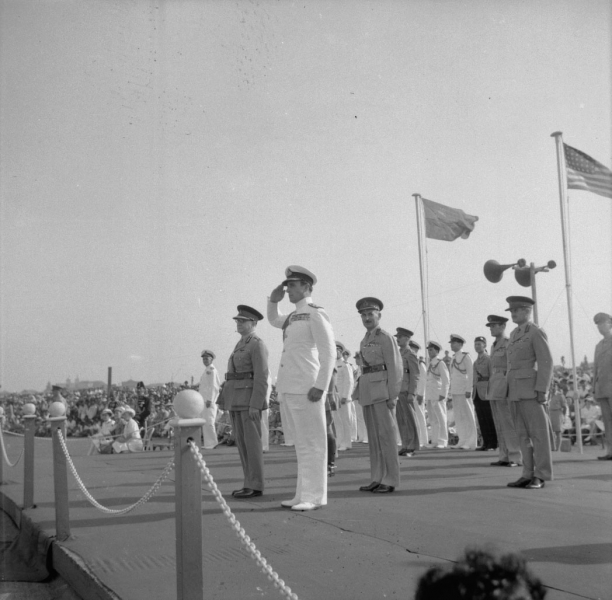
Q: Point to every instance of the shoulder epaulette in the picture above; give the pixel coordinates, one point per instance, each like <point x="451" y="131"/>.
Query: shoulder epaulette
<point x="314" y="305"/>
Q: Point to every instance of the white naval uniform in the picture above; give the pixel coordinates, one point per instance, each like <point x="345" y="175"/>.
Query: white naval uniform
<point x="344" y="385"/>
<point x="209" y="389"/>
<point x="307" y="361"/>
<point x="461" y="381"/>
<point x="436" y="386"/>
<point x="419" y="409"/>
<point x="131" y="432"/>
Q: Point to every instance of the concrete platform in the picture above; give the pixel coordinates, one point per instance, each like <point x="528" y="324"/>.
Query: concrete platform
<point x="359" y="546"/>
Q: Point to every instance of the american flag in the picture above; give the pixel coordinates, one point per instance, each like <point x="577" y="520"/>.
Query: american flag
<point x="585" y="173"/>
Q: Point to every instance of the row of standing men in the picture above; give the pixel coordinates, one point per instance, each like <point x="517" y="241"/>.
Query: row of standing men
<point x="509" y="393"/>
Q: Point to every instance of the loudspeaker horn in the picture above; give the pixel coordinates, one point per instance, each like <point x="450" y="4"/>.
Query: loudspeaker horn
<point x="494" y="272"/>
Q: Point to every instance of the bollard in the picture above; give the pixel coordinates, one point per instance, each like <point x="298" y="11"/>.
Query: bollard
<point x="28" y="461"/>
<point x="57" y="410"/>
<point x="188" y="496"/>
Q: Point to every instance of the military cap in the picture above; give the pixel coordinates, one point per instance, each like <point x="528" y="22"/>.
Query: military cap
<point x="435" y="345"/>
<point x="415" y="345"/>
<point x="480" y="339"/>
<point x="297" y="273"/>
<point x="209" y="352"/>
<point x="140" y="384"/>
<point x="341" y="346"/>
<point x="496" y="320"/>
<point x="401" y="331"/>
<point x="369" y="303"/>
<point x="246" y="313"/>
<point x="602" y="317"/>
<point x="519" y="302"/>
<point x="56" y="388"/>
<point x="129" y="410"/>
<point x="456" y="338"/>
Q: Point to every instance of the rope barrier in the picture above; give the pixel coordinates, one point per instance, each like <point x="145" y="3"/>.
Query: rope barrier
<point x="240" y="532"/>
<point x="5" y="455"/>
<point x="94" y="502"/>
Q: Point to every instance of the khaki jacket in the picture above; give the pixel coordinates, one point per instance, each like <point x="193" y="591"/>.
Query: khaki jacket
<point x="482" y="373"/>
<point x="498" y="384"/>
<point x="602" y="369"/>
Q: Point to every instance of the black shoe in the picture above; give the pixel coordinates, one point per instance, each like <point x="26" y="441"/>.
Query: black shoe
<point x="402" y="452"/>
<point x="523" y="482"/>
<point x="247" y="493"/>
<point x="383" y="489"/>
<point x="239" y="491"/>
<point x="500" y="463"/>
<point x="369" y="488"/>
<point x="535" y="484"/>
<point x="604" y="457"/>
<point x="512" y="464"/>
<point x="481" y="449"/>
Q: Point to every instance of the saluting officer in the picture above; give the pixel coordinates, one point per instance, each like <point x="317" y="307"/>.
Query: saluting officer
<point x="436" y="389"/>
<point x="378" y="389"/>
<point x="482" y="407"/>
<point x="405" y="411"/>
<point x="307" y="364"/>
<point x="461" y="382"/>
<point x="245" y="396"/>
<point x="497" y="394"/>
<point x="527" y="389"/>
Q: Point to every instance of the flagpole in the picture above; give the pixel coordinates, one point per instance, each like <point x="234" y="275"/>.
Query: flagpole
<point x="558" y="135"/>
<point x="423" y="270"/>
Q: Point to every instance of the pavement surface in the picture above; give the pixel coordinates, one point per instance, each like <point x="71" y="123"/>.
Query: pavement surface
<point x="361" y="545"/>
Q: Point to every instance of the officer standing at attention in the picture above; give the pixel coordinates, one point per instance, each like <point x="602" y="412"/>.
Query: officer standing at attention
<point x="527" y="389"/>
<point x="210" y="383"/>
<point x="245" y="396"/>
<point x="307" y="364"/>
<point x="405" y="411"/>
<point x="602" y="378"/>
<point x="378" y="389"/>
<point x="497" y="394"/>
<point x="419" y="407"/>
<point x="482" y="407"/>
<point x="461" y="382"/>
<point x="436" y="389"/>
<point x="344" y="385"/>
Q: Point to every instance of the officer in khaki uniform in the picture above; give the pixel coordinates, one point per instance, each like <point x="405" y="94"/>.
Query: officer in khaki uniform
<point x="405" y="410"/>
<point x="497" y="395"/>
<point x="482" y="407"/>
<point x="245" y="395"/>
<point x="527" y="389"/>
<point x="602" y="377"/>
<point x="377" y="391"/>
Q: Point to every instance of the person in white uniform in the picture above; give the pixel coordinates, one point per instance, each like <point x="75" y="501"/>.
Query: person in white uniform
<point x="419" y="407"/>
<point x="344" y="385"/>
<point x="307" y="363"/>
<point x="210" y="383"/>
<point x="436" y="389"/>
<point x="461" y="383"/>
<point x="129" y="440"/>
<point x="352" y="411"/>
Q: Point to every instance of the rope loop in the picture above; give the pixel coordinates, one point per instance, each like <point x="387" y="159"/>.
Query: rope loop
<point x="240" y="532"/>
<point x="5" y="455"/>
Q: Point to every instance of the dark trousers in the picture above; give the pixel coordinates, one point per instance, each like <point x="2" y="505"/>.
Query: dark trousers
<point x="248" y="441"/>
<point x="406" y="422"/>
<point x="485" y="422"/>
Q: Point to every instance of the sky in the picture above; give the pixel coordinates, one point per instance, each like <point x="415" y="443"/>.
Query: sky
<point x="163" y="162"/>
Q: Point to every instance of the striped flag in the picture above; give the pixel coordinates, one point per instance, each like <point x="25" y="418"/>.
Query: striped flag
<point x="585" y="173"/>
<point x="446" y="223"/>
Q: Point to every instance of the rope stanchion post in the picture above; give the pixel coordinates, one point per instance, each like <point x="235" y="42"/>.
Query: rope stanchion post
<point x="57" y="410"/>
<point x="188" y="405"/>
<point x="29" y="420"/>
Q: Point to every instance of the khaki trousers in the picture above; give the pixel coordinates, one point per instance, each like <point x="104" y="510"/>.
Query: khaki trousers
<point x="533" y="430"/>
<point x="248" y="440"/>
<point x="384" y="461"/>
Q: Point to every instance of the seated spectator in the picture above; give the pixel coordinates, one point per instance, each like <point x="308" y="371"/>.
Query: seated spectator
<point x="480" y="575"/>
<point x="590" y="417"/>
<point x="130" y="440"/>
<point x="103" y="440"/>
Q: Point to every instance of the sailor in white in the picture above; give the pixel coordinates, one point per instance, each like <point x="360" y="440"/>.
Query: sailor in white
<point x="344" y="385"/>
<point x="210" y="383"/>
<point x="436" y="390"/>
<point x="307" y="363"/>
<point x="419" y="407"/>
<point x="461" y="383"/>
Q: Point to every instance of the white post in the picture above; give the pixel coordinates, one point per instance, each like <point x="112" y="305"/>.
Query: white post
<point x="568" y="273"/>
<point x="423" y="270"/>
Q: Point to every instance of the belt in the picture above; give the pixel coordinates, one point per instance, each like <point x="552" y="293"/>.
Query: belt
<point x="406" y="370"/>
<point x="482" y="378"/>
<point x="374" y="369"/>
<point x="230" y="376"/>
<point x="503" y="371"/>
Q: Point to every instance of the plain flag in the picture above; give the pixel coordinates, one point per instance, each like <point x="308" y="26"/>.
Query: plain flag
<point x="585" y="173"/>
<point x="446" y="223"/>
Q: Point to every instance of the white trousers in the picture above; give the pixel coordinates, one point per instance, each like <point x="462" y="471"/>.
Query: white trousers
<point x="419" y="410"/>
<point x="286" y="422"/>
<point x="362" y="432"/>
<point x="343" y="426"/>
<point x="437" y="420"/>
<point x="265" y="430"/>
<point x="353" y="413"/>
<point x="465" y="421"/>
<point x="209" y="430"/>
<point x="307" y="421"/>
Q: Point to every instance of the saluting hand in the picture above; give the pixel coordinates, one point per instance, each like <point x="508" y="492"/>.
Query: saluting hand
<point x="278" y="293"/>
<point x="315" y="394"/>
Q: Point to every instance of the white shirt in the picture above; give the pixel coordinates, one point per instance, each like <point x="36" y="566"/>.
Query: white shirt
<point x="437" y="380"/>
<point x="461" y="373"/>
<point x="344" y="379"/>
<point x="309" y="349"/>
<point x="210" y="384"/>
<point x="420" y="391"/>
